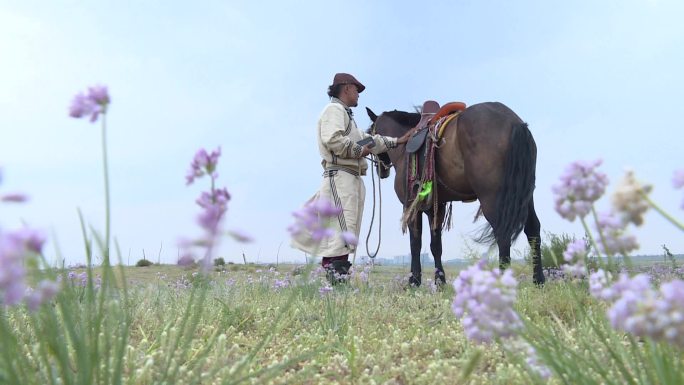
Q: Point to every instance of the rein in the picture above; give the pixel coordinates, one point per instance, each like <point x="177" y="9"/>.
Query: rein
<point x="377" y="162"/>
<point x="370" y="228"/>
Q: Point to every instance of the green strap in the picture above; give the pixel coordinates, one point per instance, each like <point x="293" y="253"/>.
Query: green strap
<point x="427" y="189"/>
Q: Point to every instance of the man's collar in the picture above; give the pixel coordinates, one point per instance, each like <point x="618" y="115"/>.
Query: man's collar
<point x="336" y="100"/>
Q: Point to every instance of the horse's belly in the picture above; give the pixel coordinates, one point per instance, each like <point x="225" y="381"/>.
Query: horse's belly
<point x="450" y="170"/>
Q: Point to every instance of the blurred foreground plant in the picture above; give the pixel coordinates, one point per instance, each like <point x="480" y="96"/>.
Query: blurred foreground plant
<point x="78" y="331"/>
<point x="651" y="351"/>
<point x="82" y="337"/>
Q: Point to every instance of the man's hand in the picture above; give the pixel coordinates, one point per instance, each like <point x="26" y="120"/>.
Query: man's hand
<point x="405" y="138"/>
<point x="365" y="151"/>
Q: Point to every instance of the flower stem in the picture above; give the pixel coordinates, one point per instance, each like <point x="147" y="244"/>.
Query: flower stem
<point x="592" y="239"/>
<point x="106" y="187"/>
<point x="662" y="212"/>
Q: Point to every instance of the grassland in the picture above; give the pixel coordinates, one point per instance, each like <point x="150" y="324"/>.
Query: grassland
<point x="274" y="325"/>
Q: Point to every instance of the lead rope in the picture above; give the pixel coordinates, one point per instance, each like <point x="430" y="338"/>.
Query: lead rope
<point x="370" y="229"/>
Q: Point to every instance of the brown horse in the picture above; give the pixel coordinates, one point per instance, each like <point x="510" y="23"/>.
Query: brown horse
<point x="487" y="154"/>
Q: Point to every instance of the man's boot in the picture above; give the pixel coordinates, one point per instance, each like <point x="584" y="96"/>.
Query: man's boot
<point x="338" y="269"/>
<point x="341" y="269"/>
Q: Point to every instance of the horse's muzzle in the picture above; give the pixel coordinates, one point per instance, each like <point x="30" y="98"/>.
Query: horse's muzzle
<point x="383" y="170"/>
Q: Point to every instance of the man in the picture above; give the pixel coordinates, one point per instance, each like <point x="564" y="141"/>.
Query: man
<point x="344" y="164"/>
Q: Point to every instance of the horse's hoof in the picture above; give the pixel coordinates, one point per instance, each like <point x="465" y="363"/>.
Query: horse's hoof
<point x="440" y="279"/>
<point x="413" y="282"/>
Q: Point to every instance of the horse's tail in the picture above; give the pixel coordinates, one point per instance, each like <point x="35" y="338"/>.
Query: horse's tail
<point x="515" y="194"/>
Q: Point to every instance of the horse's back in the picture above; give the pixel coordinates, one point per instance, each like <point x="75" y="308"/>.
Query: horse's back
<point x="489" y="118"/>
<point x="485" y="128"/>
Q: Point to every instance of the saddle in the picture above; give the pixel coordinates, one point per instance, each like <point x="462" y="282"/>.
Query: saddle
<point x="431" y="113"/>
<point x="448" y="109"/>
<point x="429" y="110"/>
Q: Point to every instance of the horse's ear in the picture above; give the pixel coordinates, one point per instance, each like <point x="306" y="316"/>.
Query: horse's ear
<point x="371" y="114"/>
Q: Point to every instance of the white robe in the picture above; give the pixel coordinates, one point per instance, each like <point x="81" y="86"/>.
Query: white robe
<point x="344" y="190"/>
<point x="342" y="184"/>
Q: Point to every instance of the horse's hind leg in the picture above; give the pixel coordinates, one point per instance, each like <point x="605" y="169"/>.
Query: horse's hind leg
<point x="504" y="253"/>
<point x="533" y="233"/>
<point x="415" y="232"/>
<point x="436" y="243"/>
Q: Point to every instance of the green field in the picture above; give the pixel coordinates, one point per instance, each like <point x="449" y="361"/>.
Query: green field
<point x="250" y="327"/>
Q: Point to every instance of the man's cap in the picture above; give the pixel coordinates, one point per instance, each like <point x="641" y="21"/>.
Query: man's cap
<point x="343" y="78"/>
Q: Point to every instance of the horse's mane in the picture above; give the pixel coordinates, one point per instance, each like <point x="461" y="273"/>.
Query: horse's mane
<point x="406" y="119"/>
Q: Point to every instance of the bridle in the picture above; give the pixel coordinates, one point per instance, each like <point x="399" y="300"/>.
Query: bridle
<point x="378" y="162"/>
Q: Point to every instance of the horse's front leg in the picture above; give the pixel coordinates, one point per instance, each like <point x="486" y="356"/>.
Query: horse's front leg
<point x="436" y="244"/>
<point x="415" y="232"/>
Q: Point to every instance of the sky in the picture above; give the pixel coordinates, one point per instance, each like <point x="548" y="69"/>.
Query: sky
<point x="593" y="79"/>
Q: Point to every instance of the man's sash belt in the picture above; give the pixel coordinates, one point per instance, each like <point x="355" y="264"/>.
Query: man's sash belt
<point x="328" y="170"/>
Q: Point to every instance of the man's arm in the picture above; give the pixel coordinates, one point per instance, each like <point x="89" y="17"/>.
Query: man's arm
<point x="383" y="143"/>
<point x="334" y="134"/>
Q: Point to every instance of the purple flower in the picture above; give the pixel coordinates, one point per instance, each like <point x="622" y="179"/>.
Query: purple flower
<point x="99" y="95"/>
<point x="45" y="291"/>
<point x="203" y="164"/>
<point x="214" y="204"/>
<point x="209" y="219"/>
<point x="678" y="182"/>
<point x="613" y="238"/>
<point x="279" y="284"/>
<point x="519" y="346"/>
<point x="576" y="251"/>
<point x="186" y="260"/>
<point x="580" y="186"/>
<point x="12" y="271"/>
<point x="80" y="106"/>
<point x="639" y="284"/>
<point x="315" y="218"/>
<point x="80" y="279"/>
<point x="574" y="256"/>
<point x="575" y="270"/>
<point x="217" y="197"/>
<point x="33" y="240"/>
<point x="319" y="271"/>
<point x="361" y="275"/>
<point x="93" y="104"/>
<point x="325" y="208"/>
<point x="12" y="197"/>
<point x="15" y="198"/>
<point x="350" y="238"/>
<point x="678" y="179"/>
<point x="484" y="301"/>
<point x="323" y="290"/>
<point x="640" y="310"/>
<point x="598" y="285"/>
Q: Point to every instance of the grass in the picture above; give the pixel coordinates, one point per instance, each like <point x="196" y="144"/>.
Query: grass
<point x="379" y="332"/>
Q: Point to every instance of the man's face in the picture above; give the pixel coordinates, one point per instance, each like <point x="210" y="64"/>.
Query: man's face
<point x="352" y="95"/>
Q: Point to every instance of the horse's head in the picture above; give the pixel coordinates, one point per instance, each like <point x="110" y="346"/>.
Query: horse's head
<point x="390" y="123"/>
